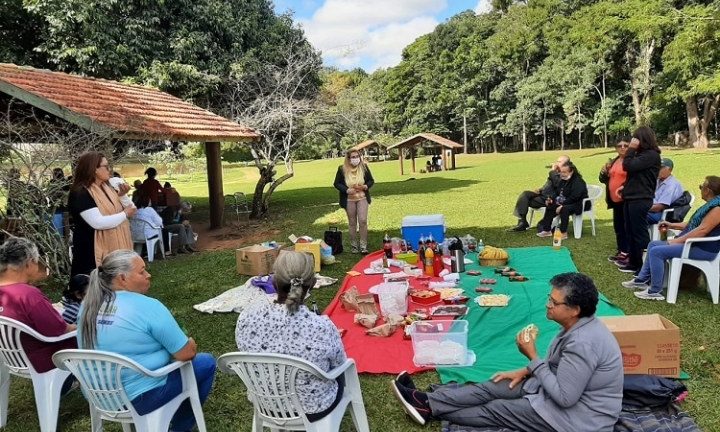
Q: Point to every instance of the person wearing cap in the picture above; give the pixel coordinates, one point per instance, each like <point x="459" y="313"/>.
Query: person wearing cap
<point x="667" y="191"/>
<point x="72" y="297"/>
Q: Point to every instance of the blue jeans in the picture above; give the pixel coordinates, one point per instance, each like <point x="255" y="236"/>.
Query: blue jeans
<point x="654" y="218"/>
<point x="204" y="367"/>
<point x="657" y="253"/>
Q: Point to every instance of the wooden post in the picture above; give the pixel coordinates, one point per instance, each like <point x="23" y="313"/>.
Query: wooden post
<point x="412" y="157"/>
<point x="215" y="184"/>
<point x="401" y="158"/>
<point x="445" y="160"/>
<point x="453" y="158"/>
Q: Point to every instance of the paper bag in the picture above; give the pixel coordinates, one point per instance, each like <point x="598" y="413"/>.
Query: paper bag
<point x="367" y="321"/>
<point x="384" y="330"/>
<point x="366" y="304"/>
<point x="349" y="300"/>
<point x="394" y="319"/>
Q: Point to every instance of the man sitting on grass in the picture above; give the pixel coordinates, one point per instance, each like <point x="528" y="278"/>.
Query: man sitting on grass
<point x="537" y="198"/>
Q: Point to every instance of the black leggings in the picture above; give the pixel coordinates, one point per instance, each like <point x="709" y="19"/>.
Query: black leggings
<point x="636" y="226"/>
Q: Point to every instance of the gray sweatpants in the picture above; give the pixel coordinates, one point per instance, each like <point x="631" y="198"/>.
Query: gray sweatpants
<point x="487" y="404"/>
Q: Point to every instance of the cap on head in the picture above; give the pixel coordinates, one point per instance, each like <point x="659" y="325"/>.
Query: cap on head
<point x="667" y="163"/>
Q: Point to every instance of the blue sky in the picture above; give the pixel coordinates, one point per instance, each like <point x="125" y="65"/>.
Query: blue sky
<point x="370" y="33"/>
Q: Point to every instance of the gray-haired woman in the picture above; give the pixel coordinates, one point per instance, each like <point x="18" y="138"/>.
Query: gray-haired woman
<point x="24" y="303"/>
<point x="117" y="316"/>
<point x="288" y="327"/>
<point x="576" y="387"/>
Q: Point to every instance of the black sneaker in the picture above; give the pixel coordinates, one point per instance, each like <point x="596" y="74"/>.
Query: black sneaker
<point x="521" y="227"/>
<point x="628" y="269"/>
<point x="414" y="403"/>
<point x="405" y="380"/>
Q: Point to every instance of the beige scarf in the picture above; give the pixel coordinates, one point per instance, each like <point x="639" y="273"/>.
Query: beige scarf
<point x="109" y="240"/>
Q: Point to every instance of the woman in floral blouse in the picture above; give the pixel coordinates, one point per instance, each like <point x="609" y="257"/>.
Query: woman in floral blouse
<point x="354" y="180"/>
<point x="289" y="327"/>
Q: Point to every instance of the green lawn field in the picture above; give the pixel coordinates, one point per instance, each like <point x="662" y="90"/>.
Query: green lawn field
<point x="476" y="199"/>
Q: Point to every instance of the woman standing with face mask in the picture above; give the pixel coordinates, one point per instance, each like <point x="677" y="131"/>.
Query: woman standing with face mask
<point x="354" y="180"/>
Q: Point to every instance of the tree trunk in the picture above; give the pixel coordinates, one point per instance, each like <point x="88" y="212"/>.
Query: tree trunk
<point x="697" y="126"/>
<point x="562" y="135"/>
<point x="290" y="172"/>
<point x="579" y="128"/>
<point x="605" y="114"/>
<point x="266" y="175"/>
<point x="524" y="138"/>
<point x="544" y="126"/>
<point x="494" y="143"/>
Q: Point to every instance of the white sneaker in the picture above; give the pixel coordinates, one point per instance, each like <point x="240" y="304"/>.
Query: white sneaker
<point x="647" y="295"/>
<point x="636" y="284"/>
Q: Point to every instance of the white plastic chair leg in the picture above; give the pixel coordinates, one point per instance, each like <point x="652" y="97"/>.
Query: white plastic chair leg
<point x="150" y="250"/>
<point x="577" y="226"/>
<point x="674" y="280"/>
<point x="592" y="222"/>
<point x="127" y="427"/>
<point x="713" y="283"/>
<point x="47" y="388"/>
<point x="4" y="394"/>
<point x="257" y="425"/>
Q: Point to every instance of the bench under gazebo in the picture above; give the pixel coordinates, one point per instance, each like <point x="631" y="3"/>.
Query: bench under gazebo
<point x="448" y="149"/>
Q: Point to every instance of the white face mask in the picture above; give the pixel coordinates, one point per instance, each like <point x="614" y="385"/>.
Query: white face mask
<point x="354" y="161"/>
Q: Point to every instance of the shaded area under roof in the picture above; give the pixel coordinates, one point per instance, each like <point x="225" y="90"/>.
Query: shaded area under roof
<point x="127" y="111"/>
<point x="447" y="155"/>
<point x="366" y="144"/>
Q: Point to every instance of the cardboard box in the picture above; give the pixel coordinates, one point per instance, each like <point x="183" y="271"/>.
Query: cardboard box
<point x="256" y="260"/>
<point x="650" y="344"/>
<point x="294" y="249"/>
<point x="314" y="248"/>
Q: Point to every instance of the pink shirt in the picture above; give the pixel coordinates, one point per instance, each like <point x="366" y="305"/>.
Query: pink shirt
<point x="28" y="305"/>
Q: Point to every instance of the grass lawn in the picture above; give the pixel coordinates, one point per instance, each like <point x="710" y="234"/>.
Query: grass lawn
<point x="476" y="199"/>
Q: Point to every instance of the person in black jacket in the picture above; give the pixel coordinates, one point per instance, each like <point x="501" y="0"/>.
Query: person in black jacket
<point x="354" y="180"/>
<point x="567" y="201"/>
<point x="613" y="175"/>
<point x="537" y="198"/>
<point x="642" y="164"/>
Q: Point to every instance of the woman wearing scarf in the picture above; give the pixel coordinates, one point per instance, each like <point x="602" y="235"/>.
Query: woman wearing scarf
<point x="353" y="180"/>
<point x="101" y="221"/>
<point x="705" y="222"/>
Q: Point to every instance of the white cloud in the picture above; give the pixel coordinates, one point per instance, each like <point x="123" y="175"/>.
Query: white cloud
<point x="347" y="31"/>
<point x="483" y="6"/>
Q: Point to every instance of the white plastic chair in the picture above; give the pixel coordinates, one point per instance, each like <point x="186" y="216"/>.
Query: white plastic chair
<point x="594" y="194"/>
<point x="710" y="268"/>
<point x="654" y="228"/>
<point x="270" y="381"/>
<point x="137" y="231"/>
<point x="47" y="386"/>
<point x="99" y="374"/>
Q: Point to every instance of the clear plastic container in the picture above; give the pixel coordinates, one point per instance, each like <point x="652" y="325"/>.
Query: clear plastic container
<point x="441" y="343"/>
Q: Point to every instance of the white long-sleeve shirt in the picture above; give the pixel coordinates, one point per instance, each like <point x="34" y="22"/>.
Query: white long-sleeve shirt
<point x="148" y="214"/>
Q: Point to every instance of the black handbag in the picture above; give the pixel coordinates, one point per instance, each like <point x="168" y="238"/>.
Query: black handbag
<point x="333" y="238"/>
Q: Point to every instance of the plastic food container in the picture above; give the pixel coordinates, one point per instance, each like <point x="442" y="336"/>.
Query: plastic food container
<point x="441" y="343"/>
<point x="410" y="258"/>
<point x="456" y="300"/>
<point x="425" y="300"/>
<point x="448" y="311"/>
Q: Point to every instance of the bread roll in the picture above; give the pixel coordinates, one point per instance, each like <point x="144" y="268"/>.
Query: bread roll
<point x="529" y="333"/>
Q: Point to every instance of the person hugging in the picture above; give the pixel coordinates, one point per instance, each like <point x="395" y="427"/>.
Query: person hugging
<point x="72" y="297"/>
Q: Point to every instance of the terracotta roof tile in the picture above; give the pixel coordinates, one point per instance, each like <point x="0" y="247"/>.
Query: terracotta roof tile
<point x="416" y="139"/>
<point x="128" y="110"/>
<point x="367" y="143"/>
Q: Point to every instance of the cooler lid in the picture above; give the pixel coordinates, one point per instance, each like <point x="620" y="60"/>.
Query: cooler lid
<point x="423" y="220"/>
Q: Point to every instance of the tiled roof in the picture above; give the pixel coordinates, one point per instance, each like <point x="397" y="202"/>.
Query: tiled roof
<point x="416" y="139"/>
<point x="129" y="111"/>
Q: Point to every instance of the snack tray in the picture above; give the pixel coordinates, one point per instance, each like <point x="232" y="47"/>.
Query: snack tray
<point x="447" y="315"/>
<point x="478" y="299"/>
<point x="470" y="361"/>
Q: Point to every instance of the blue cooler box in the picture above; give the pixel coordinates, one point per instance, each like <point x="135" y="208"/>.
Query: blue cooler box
<point x="415" y="226"/>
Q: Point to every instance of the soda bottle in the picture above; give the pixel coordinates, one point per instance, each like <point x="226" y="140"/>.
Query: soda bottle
<point x="421" y="242"/>
<point x="438" y="264"/>
<point x="557" y="239"/>
<point x="431" y="241"/>
<point x="519" y="279"/>
<point x="387" y="246"/>
<point x="385" y="262"/>
<point x="429" y="258"/>
<point x="315" y="308"/>
<point x="662" y="228"/>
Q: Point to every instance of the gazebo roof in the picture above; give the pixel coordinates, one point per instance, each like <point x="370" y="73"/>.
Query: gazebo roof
<point x="127" y="111"/>
<point x="416" y="139"/>
<point x="365" y="144"/>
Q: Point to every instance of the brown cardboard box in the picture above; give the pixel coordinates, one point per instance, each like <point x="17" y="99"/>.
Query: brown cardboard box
<point x="650" y="344"/>
<point x="256" y="260"/>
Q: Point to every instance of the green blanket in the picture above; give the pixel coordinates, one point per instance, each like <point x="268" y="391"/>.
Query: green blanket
<point x="492" y="331"/>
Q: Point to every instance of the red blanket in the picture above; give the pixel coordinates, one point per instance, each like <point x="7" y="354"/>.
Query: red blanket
<point x="372" y="354"/>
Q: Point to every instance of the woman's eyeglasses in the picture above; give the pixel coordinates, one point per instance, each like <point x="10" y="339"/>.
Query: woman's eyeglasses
<point x="554" y="302"/>
<point x="622" y="146"/>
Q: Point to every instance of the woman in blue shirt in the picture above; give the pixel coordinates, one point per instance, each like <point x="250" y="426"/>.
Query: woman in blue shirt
<point x="705" y="222"/>
<point x="117" y="316"/>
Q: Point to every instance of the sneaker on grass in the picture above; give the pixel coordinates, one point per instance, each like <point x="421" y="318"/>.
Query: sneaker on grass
<point x="636" y="284"/>
<point x="414" y="403"/>
<point x="647" y="295"/>
<point x="627" y="269"/>
<point x="621" y="256"/>
<point x="405" y="380"/>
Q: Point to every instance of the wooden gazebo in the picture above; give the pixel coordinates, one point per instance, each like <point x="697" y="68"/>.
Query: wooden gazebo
<point x="128" y="112"/>
<point x="363" y="146"/>
<point x="448" y="147"/>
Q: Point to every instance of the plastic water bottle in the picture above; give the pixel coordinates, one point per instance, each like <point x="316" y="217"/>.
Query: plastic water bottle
<point x="480" y="246"/>
<point x="446" y="248"/>
<point x="315" y="308"/>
